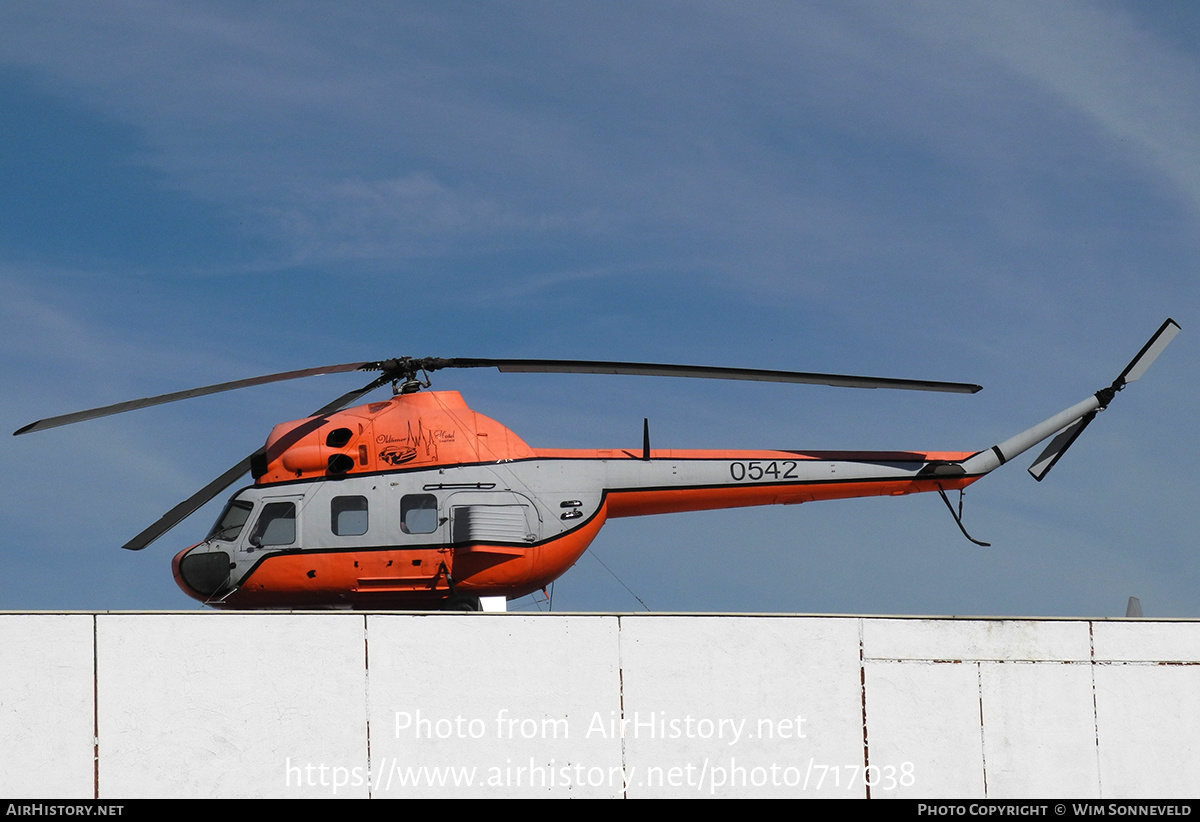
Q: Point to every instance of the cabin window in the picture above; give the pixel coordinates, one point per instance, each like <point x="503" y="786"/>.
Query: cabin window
<point x="276" y="525"/>
<point x="418" y="513"/>
<point x="230" y="523"/>
<point x="348" y="516"/>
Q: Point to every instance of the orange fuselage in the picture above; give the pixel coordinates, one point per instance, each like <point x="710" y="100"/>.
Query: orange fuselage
<point x="399" y="504"/>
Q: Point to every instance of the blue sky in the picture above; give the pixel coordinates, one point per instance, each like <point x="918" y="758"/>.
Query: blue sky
<point x="1005" y="194"/>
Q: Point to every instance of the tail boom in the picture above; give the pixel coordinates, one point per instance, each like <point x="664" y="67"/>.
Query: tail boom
<point x="984" y="462"/>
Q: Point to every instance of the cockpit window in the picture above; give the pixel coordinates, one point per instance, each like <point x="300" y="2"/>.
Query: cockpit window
<point x="230" y="523"/>
<point x="276" y="525"/>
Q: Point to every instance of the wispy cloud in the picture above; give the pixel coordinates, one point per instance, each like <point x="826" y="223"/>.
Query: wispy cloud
<point x="407" y="217"/>
<point x="750" y="136"/>
<point x="1128" y="81"/>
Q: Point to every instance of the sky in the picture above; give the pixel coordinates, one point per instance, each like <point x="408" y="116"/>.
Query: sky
<point x="1000" y="193"/>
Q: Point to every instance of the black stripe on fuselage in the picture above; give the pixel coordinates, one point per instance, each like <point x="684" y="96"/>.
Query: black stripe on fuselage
<point x="859" y="457"/>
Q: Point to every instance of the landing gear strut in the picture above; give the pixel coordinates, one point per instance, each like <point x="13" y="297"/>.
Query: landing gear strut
<point x="463" y="602"/>
<point x="457" y="601"/>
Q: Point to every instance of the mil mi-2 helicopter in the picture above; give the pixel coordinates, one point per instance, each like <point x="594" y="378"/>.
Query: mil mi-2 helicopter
<point x="418" y="502"/>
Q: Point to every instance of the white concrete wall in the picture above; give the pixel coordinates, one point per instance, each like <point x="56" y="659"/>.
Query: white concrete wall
<point x="397" y="705"/>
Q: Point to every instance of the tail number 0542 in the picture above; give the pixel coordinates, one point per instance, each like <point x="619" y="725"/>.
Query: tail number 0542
<point x="758" y="469"/>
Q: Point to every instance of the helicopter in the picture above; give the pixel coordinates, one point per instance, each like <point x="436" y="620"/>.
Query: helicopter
<point x="419" y="502"/>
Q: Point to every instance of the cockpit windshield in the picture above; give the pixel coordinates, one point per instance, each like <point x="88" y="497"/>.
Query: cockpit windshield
<point x="230" y="523"/>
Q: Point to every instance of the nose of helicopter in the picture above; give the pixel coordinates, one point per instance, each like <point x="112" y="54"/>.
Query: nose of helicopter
<point x="200" y="574"/>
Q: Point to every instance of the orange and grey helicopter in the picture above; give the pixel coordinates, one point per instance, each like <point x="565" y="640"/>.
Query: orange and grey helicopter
<point x="419" y="502"/>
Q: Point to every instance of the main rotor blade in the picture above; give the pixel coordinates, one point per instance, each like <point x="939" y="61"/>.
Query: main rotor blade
<point x="197" y="500"/>
<point x="147" y="402"/>
<point x="407" y="367"/>
<point x="703" y="372"/>
<point x="1149" y="353"/>
<point x="189" y="506"/>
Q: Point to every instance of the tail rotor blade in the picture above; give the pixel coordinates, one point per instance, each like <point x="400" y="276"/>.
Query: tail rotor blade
<point x="1058" y="446"/>
<point x="1137" y="366"/>
<point x="1149" y="353"/>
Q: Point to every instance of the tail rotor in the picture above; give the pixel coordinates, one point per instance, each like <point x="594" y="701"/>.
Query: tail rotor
<point x="1136" y="368"/>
